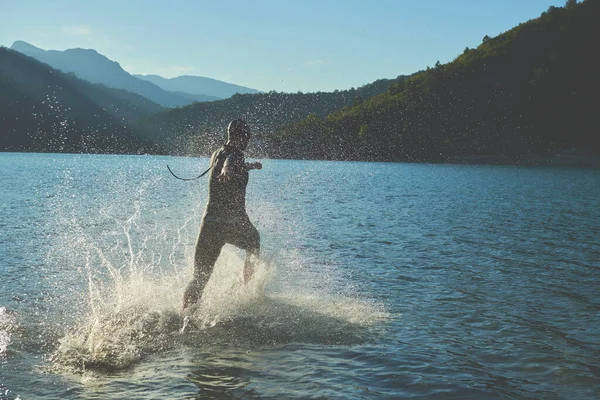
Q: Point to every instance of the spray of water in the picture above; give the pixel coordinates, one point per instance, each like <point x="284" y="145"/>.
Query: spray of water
<point x="6" y="324"/>
<point x="133" y="273"/>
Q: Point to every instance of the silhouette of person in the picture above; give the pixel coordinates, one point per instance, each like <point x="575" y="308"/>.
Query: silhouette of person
<point x="225" y="219"/>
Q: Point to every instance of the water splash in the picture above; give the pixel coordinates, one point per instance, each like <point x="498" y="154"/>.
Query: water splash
<point x="132" y="274"/>
<point x="6" y="326"/>
<point x="137" y="316"/>
<point x="131" y="301"/>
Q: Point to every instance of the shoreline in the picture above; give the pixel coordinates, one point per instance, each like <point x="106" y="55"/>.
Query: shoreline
<point x="559" y="160"/>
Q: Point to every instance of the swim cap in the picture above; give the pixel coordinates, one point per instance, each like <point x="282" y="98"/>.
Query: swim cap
<point x="237" y="128"/>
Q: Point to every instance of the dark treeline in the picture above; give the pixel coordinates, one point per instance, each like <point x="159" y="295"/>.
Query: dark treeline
<point x="530" y="92"/>
<point x="45" y="110"/>
<point x="197" y="128"/>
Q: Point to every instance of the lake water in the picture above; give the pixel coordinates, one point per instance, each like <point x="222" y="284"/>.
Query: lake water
<point x="376" y="281"/>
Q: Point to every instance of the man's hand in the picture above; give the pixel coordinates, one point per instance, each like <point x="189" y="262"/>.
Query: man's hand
<point x="224" y="176"/>
<point x="251" y="166"/>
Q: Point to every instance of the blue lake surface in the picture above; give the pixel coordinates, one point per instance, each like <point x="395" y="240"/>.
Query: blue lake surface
<point x="377" y="280"/>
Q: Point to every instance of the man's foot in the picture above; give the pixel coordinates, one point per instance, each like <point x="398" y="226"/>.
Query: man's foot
<point x="185" y="325"/>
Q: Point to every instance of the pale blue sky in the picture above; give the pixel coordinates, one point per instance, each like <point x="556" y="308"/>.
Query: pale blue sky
<point x="282" y="45"/>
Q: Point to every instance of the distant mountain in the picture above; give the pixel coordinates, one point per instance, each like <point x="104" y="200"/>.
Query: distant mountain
<point x="94" y="67"/>
<point x="193" y="98"/>
<point x="45" y="110"/>
<point x="197" y="85"/>
<point x="25" y="129"/>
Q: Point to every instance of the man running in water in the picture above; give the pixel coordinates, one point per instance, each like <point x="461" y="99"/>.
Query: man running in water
<point x="225" y="219"/>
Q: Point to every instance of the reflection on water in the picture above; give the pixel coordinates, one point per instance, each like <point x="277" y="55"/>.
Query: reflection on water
<point x="223" y="376"/>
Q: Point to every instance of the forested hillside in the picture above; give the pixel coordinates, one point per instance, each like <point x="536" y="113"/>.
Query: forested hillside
<point x="530" y="92"/>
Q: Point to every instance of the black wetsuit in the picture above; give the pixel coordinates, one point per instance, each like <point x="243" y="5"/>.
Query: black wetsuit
<point x="225" y="219"/>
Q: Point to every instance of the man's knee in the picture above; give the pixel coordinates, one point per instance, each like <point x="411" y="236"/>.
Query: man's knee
<point x="206" y="256"/>
<point x="255" y="241"/>
<point x="253" y="238"/>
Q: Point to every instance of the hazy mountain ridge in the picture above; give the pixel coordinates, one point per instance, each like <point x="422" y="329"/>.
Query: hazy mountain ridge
<point x="90" y="65"/>
<point x="198" y="85"/>
<point x="45" y="110"/>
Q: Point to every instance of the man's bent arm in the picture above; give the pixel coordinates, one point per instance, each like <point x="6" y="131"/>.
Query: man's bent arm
<point x="232" y="168"/>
